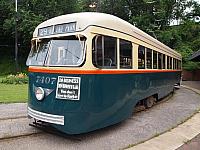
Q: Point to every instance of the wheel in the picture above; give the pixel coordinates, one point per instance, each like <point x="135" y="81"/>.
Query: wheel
<point x="149" y="102"/>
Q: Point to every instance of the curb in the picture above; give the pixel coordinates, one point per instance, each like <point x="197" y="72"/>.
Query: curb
<point x="16" y="127"/>
<point x="190" y="88"/>
<point x="176" y="137"/>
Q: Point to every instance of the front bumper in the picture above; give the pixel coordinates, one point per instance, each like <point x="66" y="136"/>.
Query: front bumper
<point x="50" y="118"/>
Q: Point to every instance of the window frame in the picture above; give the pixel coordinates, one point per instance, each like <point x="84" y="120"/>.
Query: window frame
<point x="161" y="55"/>
<point x="49" y="50"/>
<point x="131" y="60"/>
<point x="95" y="51"/>
<point x="155" y="61"/>
<point x="144" y="51"/>
<point x="151" y="60"/>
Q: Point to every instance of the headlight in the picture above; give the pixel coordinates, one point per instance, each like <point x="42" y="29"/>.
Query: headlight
<point x="39" y="93"/>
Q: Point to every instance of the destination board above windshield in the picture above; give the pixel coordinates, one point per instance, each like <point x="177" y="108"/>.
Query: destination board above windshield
<point x="57" y="29"/>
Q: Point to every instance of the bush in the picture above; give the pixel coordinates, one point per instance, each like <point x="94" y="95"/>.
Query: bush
<point x="191" y="66"/>
<point x="20" y="78"/>
<point x="7" y="62"/>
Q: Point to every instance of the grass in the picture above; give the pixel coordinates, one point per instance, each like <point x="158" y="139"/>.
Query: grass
<point x="13" y="93"/>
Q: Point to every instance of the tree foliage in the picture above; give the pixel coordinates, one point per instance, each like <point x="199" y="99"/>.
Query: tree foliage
<point x="30" y="14"/>
<point x="152" y="16"/>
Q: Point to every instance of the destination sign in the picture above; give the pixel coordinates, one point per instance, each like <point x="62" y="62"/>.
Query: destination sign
<point x="68" y="88"/>
<point x="57" y="29"/>
<point x="65" y="28"/>
<point x="45" y="31"/>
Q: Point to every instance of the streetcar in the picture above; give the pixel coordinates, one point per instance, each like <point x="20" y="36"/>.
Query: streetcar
<point x="89" y="70"/>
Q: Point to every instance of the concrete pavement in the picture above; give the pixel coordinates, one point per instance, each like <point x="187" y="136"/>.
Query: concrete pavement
<point x="174" y="138"/>
<point x="15" y="110"/>
<point x="194" y="144"/>
<point x="138" y="128"/>
<point x="179" y="137"/>
<point x="192" y="84"/>
<point x="14" y="121"/>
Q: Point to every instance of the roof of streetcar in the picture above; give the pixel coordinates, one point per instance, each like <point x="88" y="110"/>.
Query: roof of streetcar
<point x="85" y="19"/>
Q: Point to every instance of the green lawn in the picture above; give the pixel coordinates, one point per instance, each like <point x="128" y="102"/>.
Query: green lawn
<point x="11" y="93"/>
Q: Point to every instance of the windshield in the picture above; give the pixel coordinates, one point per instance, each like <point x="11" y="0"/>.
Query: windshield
<point x="68" y="51"/>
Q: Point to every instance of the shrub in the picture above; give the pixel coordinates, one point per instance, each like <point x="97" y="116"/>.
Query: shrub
<point x="20" y="78"/>
<point x="191" y="66"/>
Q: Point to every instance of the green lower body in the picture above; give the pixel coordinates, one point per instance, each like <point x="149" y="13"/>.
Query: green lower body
<point x="104" y="99"/>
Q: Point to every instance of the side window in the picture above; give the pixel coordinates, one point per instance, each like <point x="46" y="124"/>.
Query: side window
<point x="163" y="60"/>
<point x="110" y="52"/>
<point x="159" y="61"/>
<point x="97" y="51"/>
<point x="141" y="57"/>
<point x="168" y="62"/>
<point x="104" y="52"/>
<point x="155" y="60"/>
<point x="149" y="58"/>
<point x="179" y="64"/>
<point x="174" y="63"/>
<point x="170" y="59"/>
<point x="125" y="54"/>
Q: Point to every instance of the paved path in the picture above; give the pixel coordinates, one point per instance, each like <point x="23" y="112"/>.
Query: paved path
<point x="193" y="84"/>
<point x="138" y="128"/>
<point x="194" y="144"/>
<point x="180" y="136"/>
<point x="14" y="121"/>
<point x="9" y="111"/>
<point x="174" y="138"/>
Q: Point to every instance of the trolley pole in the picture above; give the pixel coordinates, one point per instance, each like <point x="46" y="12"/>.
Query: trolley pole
<point x="16" y="38"/>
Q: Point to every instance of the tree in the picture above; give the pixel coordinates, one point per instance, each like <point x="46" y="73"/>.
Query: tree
<point x="116" y="7"/>
<point x="153" y="17"/>
<point x="30" y="14"/>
